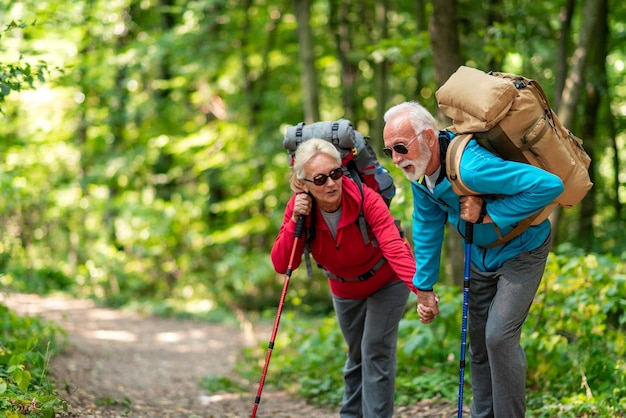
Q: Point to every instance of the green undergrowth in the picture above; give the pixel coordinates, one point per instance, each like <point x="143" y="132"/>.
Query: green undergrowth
<point x="26" y="344"/>
<point x="574" y="340"/>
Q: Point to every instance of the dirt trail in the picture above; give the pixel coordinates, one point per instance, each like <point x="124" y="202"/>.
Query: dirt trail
<point x="122" y="364"/>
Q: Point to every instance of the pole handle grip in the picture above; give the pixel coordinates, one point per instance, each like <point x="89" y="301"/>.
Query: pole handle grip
<point x="299" y="226"/>
<point x="469" y="232"/>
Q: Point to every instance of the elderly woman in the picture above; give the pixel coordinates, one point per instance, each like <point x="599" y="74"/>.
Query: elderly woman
<point x="369" y="283"/>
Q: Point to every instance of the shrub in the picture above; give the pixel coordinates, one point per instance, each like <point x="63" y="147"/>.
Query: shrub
<point x="26" y="344"/>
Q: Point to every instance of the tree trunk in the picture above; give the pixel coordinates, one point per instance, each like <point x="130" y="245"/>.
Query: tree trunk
<point x="340" y="27"/>
<point x="380" y="88"/>
<point x="574" y="83"/>
<point x="592" y="17"/>
<point x="494" y="16"/>
<point x="596" y="83"/>
<point x="562" y="53"/>
<point x="421" y="17"/>
<point x="444" y="37"/>
<point x="307" y="61"/>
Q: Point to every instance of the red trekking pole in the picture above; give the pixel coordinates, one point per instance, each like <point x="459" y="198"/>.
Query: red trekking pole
<point x="297" y="235"/>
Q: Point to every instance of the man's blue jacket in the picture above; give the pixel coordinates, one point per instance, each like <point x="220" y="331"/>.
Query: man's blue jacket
<point x="525" y="190"/>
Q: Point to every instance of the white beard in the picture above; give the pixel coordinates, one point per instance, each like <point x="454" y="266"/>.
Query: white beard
<point x="419" y="165"/>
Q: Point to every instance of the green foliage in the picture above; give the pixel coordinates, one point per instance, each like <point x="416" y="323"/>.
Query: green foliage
<point x="578" y="325"/>
<point x="428" y="356"/>
<point x="221" y="384"/>
<point x="151" y="171"/>
<point x="307" y="358"/>
<point x="574" y="342"/>
<point x="25" y="347"/>
<point x="19" y="74"/>
<point x="161" y="174"/>
<point x="39" y="281"/>
<point x="124" y="403"/>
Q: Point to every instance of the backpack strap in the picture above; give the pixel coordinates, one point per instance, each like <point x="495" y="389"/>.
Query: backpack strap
<point x="453" y="164"/>
<point x="310" y="236"/>
<point x="307" y="259"/>
<point x="519" y="228"/>
<point x="354" y="175"/>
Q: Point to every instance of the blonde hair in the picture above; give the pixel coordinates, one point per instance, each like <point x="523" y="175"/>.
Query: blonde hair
<point x="306" y="151"/>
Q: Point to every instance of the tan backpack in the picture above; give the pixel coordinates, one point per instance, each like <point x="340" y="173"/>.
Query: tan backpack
<point x="510" y="116"/>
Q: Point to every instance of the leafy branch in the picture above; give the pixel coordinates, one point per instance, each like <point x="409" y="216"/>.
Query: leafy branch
<point x="19" y="75"/>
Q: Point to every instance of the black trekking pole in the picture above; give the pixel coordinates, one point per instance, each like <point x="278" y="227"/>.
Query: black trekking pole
<point x="297" y="235"/>
<point x="469" y="237"/>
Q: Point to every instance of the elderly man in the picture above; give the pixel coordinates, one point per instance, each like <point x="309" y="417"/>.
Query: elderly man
<point x="504" y="279"/>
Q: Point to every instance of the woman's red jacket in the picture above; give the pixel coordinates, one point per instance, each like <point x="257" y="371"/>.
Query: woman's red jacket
<point x="349" y="256"/>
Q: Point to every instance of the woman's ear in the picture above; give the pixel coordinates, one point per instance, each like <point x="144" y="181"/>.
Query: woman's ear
<point x="302" y="186"/>
<point x="298" y="185"/>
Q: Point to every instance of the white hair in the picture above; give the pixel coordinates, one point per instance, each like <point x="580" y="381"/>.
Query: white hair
<point x="310" y="149"/>
<point x="421" y="119"/>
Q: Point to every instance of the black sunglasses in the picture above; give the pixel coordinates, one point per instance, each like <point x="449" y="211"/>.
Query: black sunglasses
<point x="399" y="148"/>
<point x="320" y="179"/>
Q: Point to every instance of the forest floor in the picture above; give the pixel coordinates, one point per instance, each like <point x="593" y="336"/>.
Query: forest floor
<point x="119" y="363"/>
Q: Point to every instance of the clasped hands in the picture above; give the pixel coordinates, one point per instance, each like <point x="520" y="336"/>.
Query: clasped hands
<point x="427" y="306"/>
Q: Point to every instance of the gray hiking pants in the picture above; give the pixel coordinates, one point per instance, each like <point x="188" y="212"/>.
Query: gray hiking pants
<point x="499" y="303"/>
<point x="370" y="329"/>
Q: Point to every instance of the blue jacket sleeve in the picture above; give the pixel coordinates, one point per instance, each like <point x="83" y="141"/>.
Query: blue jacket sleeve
<point x="429" y="221"/>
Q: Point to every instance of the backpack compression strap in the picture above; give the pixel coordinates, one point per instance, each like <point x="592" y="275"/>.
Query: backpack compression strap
<point x="334" y="134"/>
<point x="299" y="134"/>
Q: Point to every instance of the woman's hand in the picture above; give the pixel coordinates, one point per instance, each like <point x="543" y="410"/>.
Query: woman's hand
<point x="302" y="206"/>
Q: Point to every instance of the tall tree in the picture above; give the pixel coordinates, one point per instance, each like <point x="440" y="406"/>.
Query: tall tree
<point x="591" y="20"/>
<point x="421" y="17"/>
<point x="444" y="36"/>
<point x="380" y="75"/>
<point x="340" y="27"/>
<point x="596" y="84"/>
<point x="307" y="61"/>
<point x="574" y="84"/>
<point x="494" y="17"/>
<point x="565" y="17"/>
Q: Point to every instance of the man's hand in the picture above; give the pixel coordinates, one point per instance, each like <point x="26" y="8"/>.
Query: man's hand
<point x="427" y="306"/>
<point x="470" y="209"/>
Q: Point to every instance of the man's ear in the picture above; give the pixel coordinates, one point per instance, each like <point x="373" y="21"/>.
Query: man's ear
<point x="431" y="137"/>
